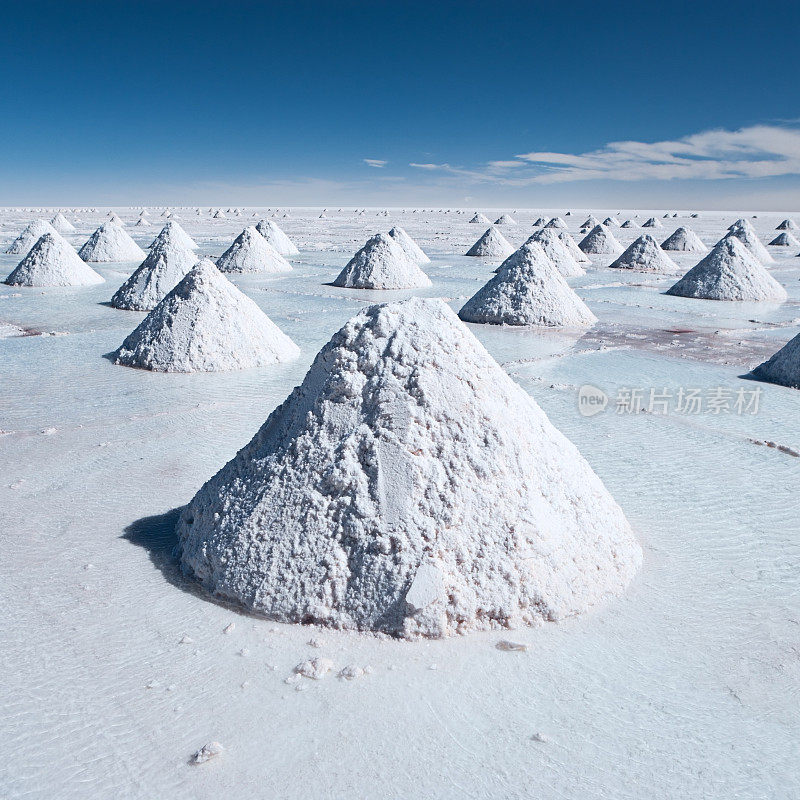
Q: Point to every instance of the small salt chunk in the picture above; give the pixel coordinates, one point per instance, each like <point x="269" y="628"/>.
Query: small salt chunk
<point x="185" y="640"/>
<point x="293" y="678"/>
<point x="229" y="627"/>
<point x="426" y="588"/>
<point x="153" y="685"/>
<point x="207" y="752"/>
<point x="433" y="667"/>
<point x="351" y="672"/>
<point x="511" y="647"/>
<point x="314" y="668"/>
<point x="539" y="737"/>
<point x="244" y="652"/>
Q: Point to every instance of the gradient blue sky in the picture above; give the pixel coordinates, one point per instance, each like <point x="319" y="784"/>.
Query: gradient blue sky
<point x="464" y="103"/>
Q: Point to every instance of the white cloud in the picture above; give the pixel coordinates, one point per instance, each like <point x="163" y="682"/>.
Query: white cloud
<point x="375" y="162"/>
<point x="760" y="151"/>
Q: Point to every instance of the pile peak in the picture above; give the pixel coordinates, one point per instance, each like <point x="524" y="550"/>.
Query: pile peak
<point x="110" y="242"/>
<point x="53" y="262"/>
<point x="479" y="219"/>
<point x="369" y="500"/>
<point x="410" y="247"/>
<point x="749" y="238"/>
<point x="251" y="252"/>
<point x="492" y="244"/>
<point x="644" y="255"/>
<point x="557" y="251"/>
<point x="205" y="324"/>
<point x="600" y="241"/>
<point x="28" y="238"/>
<point x="62" y="224"/>
<point x="684" y="239"/>
<point x="277" y="238"/>
<point x="729" y="272"/>
<point x="572" y="247"/>
<point x="173" y="232"/>
<point x="382" y="264"/>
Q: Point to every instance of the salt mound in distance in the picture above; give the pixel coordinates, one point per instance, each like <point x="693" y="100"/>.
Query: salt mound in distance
<point x="53" y="262"/>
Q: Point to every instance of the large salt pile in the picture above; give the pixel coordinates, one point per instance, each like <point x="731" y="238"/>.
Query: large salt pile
<point x="729" y="272"/>
<point x="529" y="291"/>
<point x="163" y="267"/>
<point x="110" y="242"/>
<point x="277" y="238"/>
<point x="480" y="219"/>
<point x="505" y="219"/>
<point x="556" y="222"/>
<point x="205" y="324"/>
<point x="784" y="367"/>
<point x="558" y="252"/>
<point x="173" y="232"/>
<point x="785" y="239"/>
<point x="410" y="247"/>
<point x="28" y="238"/>
<point x="408" y="486"/>
<point x="62" y="224"/>
<point x="600" y="241"/>
<point x="684" y="239"/>
<point x="250" y="252"/>
<point x="53" y="262"/>
<point x="590" y="221"/>
<point x="572" y="246"/>
<point x="491" y="245"/>
<point x="652" y="223"/>
<point x="787" y="225"/>
<point x="747" y="235"/>
<point x="644" y="255"/>
<point x="382" y="264"/>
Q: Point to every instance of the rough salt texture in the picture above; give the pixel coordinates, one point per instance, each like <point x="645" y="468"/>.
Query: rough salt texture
<point x="644" y="255"/>
<point x="53" y="262"/>
<point x="491" y="245"/>
<point x="28" y="238"/>
<point x="572" y="247"/>
<point x="410" y="247"/>
<point x="277" y="238"/>
<point x="784" y="367"/>
<point x="600" y="241"/>
<point x="110" y="242"/>
<point x="785" y="239"/>
<point x="159" y="273"/>
<point x="729" y="272"/>
<point x="251" y="252"/>
<point x="205" y="324"/>
<point x="173" y="232"/>
<point x="748" y="237"/>
<point x="408" y="486"/>
<point x="62" y="224"/>
<point x="557" y="251"/>
<point x="479" y="219"/>
<point x="530" y="291"/>
<point x="382" y="264"/>
<point x="684" y="239"/>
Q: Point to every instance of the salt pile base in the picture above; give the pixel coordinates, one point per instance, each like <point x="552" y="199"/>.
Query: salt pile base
<point x="53" y="262"/>
<point x="371" y="498"/>
<point x="382" y="264"/>
<point x="205" y="324"/>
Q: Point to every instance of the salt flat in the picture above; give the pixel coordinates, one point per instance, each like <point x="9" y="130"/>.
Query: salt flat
<point x="685" y="687"/>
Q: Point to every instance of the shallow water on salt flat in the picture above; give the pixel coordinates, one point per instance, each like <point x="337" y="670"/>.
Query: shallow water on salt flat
<point x="685" y="687"/>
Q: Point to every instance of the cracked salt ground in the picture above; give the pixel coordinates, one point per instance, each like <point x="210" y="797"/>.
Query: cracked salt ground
<point x="702" y="647"/>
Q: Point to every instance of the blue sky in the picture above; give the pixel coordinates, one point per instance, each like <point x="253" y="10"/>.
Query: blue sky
<point x="495" y="104"/>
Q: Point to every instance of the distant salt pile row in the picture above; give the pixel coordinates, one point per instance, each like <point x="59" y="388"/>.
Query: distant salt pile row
<point x="306" y="523"/>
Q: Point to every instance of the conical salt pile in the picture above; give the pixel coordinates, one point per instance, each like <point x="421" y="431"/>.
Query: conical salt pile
<point x="205" y="324"/>
<point x="250" y="252"/>
<point x="110" y="242"/>
<point x="590" y="221"/>
<point x="505" y="219"/>
<point x="784" y="367"/>
<point x="479" y="219"/>
<point x="611" y="222"/>
<point x="410" y="247"/>
<point x="629" y="223"/>
<point x="141" y="223"/>
<point x="530" y="291"/>
<point x="382" y="264"/>
<point x="62" y="224"/>
<point x="729" y="272"/>
<point x="600" y="241"/>
<point x="572" y="247"/>
<point x="160" y="272"/>
<point x="172" y="232"/>
<point x="684" y="239"/>
<point x="277" y="238"/>
<point x="556" y="222"/>
<point x="787" y="225"/>
<point x="115" y="219"/>
<point x="557" y="252"/>
<point x="370" y="499"/>
<point x="28" y="238"/>
<point x="652" y="223"/>
<point x="53" y="262"/>
<point x="491" y="245"/>
<point x="749" y="238"/>
<point x="218" y="214"/>
<point x="644" y="255"/>
<point x="540" y="223"/>
<point x="785" y="239"/>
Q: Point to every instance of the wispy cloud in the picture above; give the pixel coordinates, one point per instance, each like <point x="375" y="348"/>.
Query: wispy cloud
<point x="375" y="162"/>
<point x="760" y="151"/>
